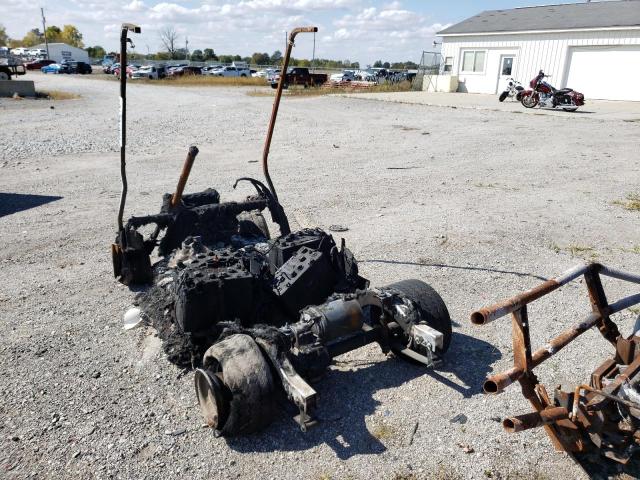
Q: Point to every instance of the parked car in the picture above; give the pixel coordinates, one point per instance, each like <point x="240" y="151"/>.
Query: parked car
<point x="130" y="71"/>
<point x="186" y="70"/>
<point x="76" y="67"/>
<point x="52" y="68"/>
<point x="38" y="64"/>
<point x="37" y="52"/>
<point x="233" y="72"/>
<point x="151" y="72"/>
<point x="20" y="51"/>
<point x="345" y="76"/>
<point x="208" y="70"/>
<point x="300" y="76"/>
<point x="110" y="67"/>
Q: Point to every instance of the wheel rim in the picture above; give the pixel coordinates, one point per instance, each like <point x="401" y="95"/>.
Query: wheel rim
<point x="4" y="76"/>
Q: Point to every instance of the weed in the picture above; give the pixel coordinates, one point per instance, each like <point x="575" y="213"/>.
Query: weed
<point x="631" y="202"/>
<point x="328" y="90"/>
<point x="57" y="95"/>
<point x="382" y="432"/>
<point x="581" y="251"/>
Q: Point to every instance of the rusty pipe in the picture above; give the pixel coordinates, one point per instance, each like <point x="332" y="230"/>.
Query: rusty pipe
<point x="276" y="105"/>
<point x="497" y="383"/>
<point x="534" y="419"/>
<point x="176" y="198"/>
<point x="615" y="398"/>
<point x="489" y="314"/>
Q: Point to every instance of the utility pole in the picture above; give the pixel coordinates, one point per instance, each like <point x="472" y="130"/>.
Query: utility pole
<point x="186" y="48"/>
<point x="44" y="31"/>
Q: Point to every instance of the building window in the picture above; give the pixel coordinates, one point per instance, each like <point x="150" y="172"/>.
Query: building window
<point x="473" y="61"/>
<point x="448" y="64"/>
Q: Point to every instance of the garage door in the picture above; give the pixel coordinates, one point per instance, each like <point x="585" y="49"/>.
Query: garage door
<point x="606" y="73"/>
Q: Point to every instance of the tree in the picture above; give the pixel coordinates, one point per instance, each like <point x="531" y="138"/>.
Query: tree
<point x="209" y="54"/>
<point x="96" y="52"/>
<point x="53" y="34"/>
<point x="377" y="64"/>
<point x="260" y="59"/>
<point x="4" y="38"/>
<point x="197" y="56"/>
<point x="71" y="36"/>
<point x="386" y="65"/>
<point x="169" y="38"/>
<point x="276" y="58"/>
<point x="225" y="58"/>
<point x="33" y="37"/>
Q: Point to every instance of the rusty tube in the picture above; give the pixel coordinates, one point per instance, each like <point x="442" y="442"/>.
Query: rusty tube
<point x="276" y="105"/>
<point x="534" y="419"/>
<point x="176" y="198"/>
<point x="489" y="314"/>
<point x="497" y="383"/>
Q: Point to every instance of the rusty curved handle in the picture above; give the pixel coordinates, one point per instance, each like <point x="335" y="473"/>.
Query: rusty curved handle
<point x="276" y="104"/>
<point x="176" y="198"/>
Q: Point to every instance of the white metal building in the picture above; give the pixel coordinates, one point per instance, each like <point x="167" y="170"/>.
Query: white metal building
<point x="591" y="47"/>
<point x="61" y="51"/>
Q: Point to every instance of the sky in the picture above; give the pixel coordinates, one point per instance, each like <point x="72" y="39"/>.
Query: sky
<point x="356" y="30"/>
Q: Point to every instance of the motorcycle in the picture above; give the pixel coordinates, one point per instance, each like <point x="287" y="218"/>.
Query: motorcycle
<point x="514" y="89"/>
<point x="545" y="95"/>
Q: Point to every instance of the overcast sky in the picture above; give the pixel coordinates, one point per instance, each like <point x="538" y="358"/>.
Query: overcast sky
<point x="358" y="30"/>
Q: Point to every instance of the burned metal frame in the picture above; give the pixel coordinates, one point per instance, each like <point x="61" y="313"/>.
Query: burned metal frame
<point x="564" y="422"/>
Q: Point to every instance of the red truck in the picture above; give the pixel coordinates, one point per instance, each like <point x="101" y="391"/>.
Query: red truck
<point x="300" y="76"/>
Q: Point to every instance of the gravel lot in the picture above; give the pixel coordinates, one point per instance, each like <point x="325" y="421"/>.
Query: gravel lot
<point x="480" y="204"/>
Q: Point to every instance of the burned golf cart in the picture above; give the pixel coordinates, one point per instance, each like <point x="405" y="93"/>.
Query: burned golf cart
<point x="256" y="314"/>
<point x="602" y="413"/>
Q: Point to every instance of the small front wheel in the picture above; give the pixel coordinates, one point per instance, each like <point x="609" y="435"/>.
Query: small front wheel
<point x="529" y="101"/>
<point x="503" y="96"/>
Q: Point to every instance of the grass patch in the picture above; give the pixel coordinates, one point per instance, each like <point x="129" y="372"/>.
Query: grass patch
<point x="631" y="202"/>
<point x="631" y="120"/>
<point x="576" y="250"/>
<point x="382" y="432"/>
<point x="317" y="91"/>
<point x="57" y="95"/>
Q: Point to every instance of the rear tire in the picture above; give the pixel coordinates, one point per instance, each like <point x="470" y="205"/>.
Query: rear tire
<point x="503" y="96"/>
<point x="432" y="308"/>
<point x="5" y="76"/>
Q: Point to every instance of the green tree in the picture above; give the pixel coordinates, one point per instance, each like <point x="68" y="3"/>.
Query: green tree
<point x="72" y="36"/>
<point x="33" y="37"/>
<point x="209" y="54"/>
<point x="377" y="64"/>
<point x="4" y="38"/>
<point x="276" y="58"/>
<point x="197" y="56"/>
<point x="237" y="58"/>
<point x="225" y="58"/>
<point x="96" y="52"/>
<point x="386" y="65"/>
<point x="260" y="59"/>
<point x="53" y="34"/>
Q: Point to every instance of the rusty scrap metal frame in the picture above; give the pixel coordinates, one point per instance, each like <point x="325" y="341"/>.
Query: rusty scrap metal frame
<point x="276" y="104"/>
<point x="557" y="421"/>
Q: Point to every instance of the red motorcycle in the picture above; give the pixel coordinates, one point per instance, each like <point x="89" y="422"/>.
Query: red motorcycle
<point x="544" y="95"/>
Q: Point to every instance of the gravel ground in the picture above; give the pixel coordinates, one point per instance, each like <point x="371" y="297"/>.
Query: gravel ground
<point x="480" y="204"/>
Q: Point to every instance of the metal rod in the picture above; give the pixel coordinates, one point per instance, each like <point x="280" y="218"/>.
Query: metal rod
<point x="489" y="314"/>
<point x="497" y="383"/>
<point x="276" y="104"/>
<point x="126" y="27"/>
<point x="615" y="398"/>
<point x="527" y="421"/>
<point x="176" y="198"/>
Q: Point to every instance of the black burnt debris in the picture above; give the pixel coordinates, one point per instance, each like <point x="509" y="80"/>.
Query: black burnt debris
<point x="297" y="300"/>
<point x="253" y="313"/>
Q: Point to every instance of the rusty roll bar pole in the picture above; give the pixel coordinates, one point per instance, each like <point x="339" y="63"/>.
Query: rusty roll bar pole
<point x="534" y="419"/>
<point x="276" y="104"/>
<point x="489" y="314"/>
<point x="176" y="198"/>
<point x="125" y="29"/>
<point x="497" y="383"/>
